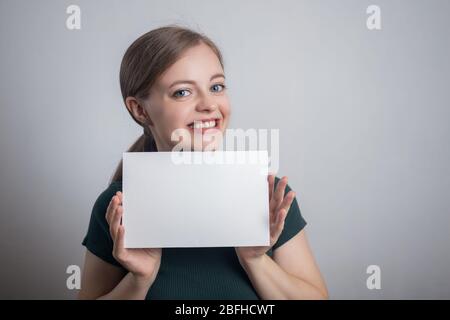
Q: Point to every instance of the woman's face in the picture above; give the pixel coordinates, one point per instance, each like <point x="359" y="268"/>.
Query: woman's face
<point x="190" y="95"/>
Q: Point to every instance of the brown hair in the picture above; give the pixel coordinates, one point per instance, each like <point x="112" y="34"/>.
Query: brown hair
<point x="144" y="61"/>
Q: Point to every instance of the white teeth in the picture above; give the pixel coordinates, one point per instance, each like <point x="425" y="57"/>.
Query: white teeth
<point x="201" y="125"/>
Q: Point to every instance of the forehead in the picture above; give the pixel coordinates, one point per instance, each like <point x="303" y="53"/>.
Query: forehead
<point x="198" y="63"/>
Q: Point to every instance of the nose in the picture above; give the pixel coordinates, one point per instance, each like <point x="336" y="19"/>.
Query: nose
<point x="206" y="104"/>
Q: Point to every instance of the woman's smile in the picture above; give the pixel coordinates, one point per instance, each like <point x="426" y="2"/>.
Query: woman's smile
<point x="204" y="125"/>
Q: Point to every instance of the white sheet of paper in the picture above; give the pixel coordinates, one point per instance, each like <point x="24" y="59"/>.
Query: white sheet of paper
<point x="171" y="204"/>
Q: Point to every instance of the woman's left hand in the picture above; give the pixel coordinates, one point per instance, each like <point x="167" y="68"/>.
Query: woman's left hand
<point x="278" y="208"/>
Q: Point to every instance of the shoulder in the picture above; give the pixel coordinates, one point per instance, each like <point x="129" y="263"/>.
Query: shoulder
<point x="98" y="239"/>
<point x="106" y="195"/>
<point x="103" y="199"/>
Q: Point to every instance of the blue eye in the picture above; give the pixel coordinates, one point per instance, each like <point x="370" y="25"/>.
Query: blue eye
<point x="218" y="87"/>
<point x="179" y="93"/>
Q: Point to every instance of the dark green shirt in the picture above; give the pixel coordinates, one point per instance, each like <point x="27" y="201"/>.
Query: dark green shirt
<point x="188" y="273"/>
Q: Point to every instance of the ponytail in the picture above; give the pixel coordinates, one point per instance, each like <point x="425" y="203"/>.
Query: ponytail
<point x="145" y="143"/>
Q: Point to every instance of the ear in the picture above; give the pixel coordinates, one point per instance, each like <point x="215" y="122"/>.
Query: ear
<point x="137" y="110"/>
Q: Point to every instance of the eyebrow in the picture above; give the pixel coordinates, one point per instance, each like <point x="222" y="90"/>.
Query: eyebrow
<point x="217" y="75"/>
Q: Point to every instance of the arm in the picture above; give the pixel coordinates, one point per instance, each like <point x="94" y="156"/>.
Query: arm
<point x="102" y="280"/>
<point x="291" y="274"/>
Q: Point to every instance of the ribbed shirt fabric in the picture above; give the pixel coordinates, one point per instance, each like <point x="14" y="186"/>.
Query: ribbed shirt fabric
<point x="188" y="273"/>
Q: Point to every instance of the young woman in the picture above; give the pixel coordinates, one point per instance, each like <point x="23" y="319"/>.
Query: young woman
<point x="170" y="78"/>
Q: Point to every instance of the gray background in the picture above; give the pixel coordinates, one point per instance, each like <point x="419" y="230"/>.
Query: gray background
<point x="363" y="118"/>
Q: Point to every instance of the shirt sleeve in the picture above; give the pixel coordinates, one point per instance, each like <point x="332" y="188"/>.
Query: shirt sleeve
<point x="293" y="224"/>
<point x="98" y="239"/>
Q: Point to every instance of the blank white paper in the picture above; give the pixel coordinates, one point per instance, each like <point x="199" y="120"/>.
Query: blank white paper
<point x="170" y="202"/>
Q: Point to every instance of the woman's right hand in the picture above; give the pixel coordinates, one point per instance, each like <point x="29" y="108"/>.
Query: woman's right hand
<point x="142" y="263"/>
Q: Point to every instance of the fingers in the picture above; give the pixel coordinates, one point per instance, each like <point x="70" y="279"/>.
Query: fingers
<point x="278" y="194"/>
<point x="115" y="201"/>
<point x="119" y="244"/>
<point x="271" y="180"/>
<point x="279" y="206"/>
<point x="279" y="191"/>
<point x="116" y="222"/>
<point x="114" y="214"/>
<point x="281" y="216"/>
<point x="287" y="201"/>
<point x="119" y="194"/>
<point x="278" y="225"/>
